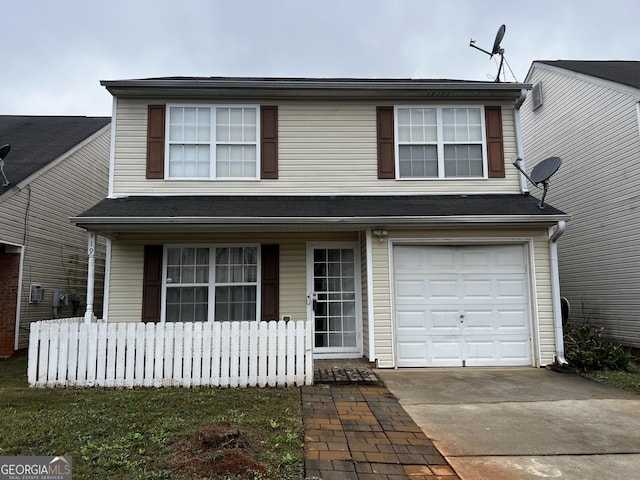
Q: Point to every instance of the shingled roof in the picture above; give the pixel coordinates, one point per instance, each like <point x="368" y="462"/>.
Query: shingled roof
<point x="204" y="212"/>
<point x="36" y="141"/>
<point x="624" y="72"/>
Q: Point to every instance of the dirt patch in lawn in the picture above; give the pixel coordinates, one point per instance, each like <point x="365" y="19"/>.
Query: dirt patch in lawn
<point x="215" y="450"/>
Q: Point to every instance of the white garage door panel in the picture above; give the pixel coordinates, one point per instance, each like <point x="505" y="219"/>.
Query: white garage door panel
<point x="461" y="305"/>
<point x="442" y="289"/>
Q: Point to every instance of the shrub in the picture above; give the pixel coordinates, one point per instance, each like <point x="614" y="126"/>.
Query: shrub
<point x="587" y="351"/>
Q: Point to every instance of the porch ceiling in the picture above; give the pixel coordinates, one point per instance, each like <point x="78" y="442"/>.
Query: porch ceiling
<point x="210" y="213"/>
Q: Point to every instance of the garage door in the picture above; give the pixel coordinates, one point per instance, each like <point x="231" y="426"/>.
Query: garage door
<point x="461" y="306"/>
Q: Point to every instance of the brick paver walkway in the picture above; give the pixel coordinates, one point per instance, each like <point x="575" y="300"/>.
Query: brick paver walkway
<point x="360" y="432"/>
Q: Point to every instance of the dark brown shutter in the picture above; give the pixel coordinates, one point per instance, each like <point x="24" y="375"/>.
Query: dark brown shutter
<point x="270" y="282"/>
<point x="152" y="283"/>
<point x="495" y="148"/>
<point x="155" y="141"/>
<point x="386" y="160"/>
<point x="269" y="139"/>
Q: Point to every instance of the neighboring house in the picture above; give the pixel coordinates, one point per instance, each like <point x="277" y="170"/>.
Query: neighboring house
<point x="587" y="112"/>
<point x="56" y="168"/>
<point x="381" y="210"/>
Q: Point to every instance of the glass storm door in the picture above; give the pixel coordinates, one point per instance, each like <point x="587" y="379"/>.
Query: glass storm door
<point x="334" y="300"/>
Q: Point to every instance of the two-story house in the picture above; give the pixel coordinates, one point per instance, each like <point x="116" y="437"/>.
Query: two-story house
<point x="588" y="112"/>
<point x="57" y="166"/>
<point x="381" y="210"/>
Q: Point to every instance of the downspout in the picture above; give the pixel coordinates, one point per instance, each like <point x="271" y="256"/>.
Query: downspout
<point x="524" y="189"/>
<point x="112" y="146"/>
<point x="370" y="303"/>
<point x="107" y="282"/>
<point x="554" y="233"/>
<point x="16" y="345"/>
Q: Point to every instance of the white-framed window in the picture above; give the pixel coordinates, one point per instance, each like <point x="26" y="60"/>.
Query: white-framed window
<point x="212" y="142"/>
<point x="211" y="283"/>
<point x="440" y="142"/>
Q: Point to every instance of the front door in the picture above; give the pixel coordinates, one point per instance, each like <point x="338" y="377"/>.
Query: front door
<point x="334" y="300"/>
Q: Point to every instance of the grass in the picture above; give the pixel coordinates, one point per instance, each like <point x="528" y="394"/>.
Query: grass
<point x="629" y="380"/>
<point x="148" y="433"/>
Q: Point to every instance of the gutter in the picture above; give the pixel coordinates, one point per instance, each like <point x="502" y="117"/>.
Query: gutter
<point x="524" y="189"/>
<point x="228" y="221"/>
<point x="554" y="233"/>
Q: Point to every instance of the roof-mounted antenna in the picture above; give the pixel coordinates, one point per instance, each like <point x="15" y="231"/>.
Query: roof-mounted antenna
<point x="496" y="50"/>
<point x="541" y="173"/>
<point x="4" y="150"/>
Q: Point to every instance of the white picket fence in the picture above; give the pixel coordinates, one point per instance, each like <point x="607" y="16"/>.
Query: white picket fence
<point x="68" y="352"/>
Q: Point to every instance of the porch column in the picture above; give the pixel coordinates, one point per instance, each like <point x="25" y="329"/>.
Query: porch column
<point x="91" y="273"/>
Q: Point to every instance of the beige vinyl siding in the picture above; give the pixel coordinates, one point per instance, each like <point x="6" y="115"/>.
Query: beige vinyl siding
<point x="126" y="276"/>
<point x="383" y="327"/>
<point x="542" y="314"/>
<point x="55" y="251"/>
<point x="125" y="292"/>
<point x="125" y="281"/>
<point x="323" y="148"/>
<point x="593" y="126"/>
<point x="364" y="289"/>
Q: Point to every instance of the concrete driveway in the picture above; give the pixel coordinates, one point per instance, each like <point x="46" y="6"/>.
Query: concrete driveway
<point x="523" y="423"/>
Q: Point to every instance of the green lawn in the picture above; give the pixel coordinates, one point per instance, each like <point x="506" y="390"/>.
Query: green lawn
<point x="153" y="433"/>
<point x="629" y="380"/>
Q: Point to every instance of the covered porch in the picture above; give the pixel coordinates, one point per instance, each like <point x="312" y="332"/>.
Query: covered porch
<point x="322" y="259"/>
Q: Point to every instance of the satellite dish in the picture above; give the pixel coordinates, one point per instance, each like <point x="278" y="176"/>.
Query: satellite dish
<point x="541" y="173"/>
<point x="4" y="150"/>
<point x="498" y="40"/>
<point x="496" y="50"/>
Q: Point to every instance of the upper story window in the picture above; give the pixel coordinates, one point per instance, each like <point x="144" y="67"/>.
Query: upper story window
<point x="440" y="142"/>
<point x="212" y="142"/>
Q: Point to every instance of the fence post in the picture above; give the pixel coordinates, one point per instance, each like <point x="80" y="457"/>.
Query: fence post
<point x="244" y="354"/>
<point x="32" y="366"/>
<point x="158" y="373"/>
<point x="308" y="364"/>
<point x="187" y="355"/>
<point x="234" y="355"/>
<point x="271" y="356"/>
<point x="196" y="366"/>
<point x="149" y="354"/>
<point x="73" y="352"/>
<point x="281" y="338"/>
<point x="101" y="354"/>
<point x="224" y="354"/>
<point x="254" y="333"/>
<point x="112" y="339"/>
<point x="290" y="340"/>
<point x="206" y="353"/>
<point x="215" y="353"/>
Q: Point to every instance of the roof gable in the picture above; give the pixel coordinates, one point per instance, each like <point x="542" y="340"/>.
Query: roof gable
<point x="618" y="71"/>
<point x="37" y="141"/>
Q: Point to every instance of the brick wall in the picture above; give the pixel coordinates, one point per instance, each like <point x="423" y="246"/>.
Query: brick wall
<point x="9" y="275"/>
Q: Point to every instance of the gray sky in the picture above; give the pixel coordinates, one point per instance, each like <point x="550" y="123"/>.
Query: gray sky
<point x="55" y="52"/>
